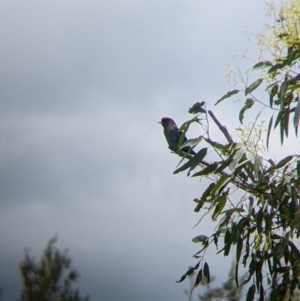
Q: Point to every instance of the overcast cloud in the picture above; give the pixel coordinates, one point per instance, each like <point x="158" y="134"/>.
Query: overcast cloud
<point x="83" y="84"/>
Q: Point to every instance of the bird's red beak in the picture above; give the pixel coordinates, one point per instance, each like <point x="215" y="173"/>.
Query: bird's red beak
<point x="159" y="122"/>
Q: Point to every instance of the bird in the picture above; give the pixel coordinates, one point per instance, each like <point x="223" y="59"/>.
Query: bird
<point x="173" y="134"/>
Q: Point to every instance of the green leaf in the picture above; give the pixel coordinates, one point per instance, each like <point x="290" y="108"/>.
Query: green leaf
<point x="268" y="223"/>
<point x="295" y="80"/>
<point x="280" y="164"/>
<point x="297" y="117"/>
<point x="251" y="293"/>
<point x="257" y="166"/>
<point x="238" y="155"/>
<point x="181" y="279"/>
<point x="199" y="238"/>
<point x="274" y="89"/>
<point x="227" y="243"/>
<point x="295" y="223"/>
<point x="185" y="126"/>
<point x="222" y="181"/>
<point x="227" y="95"/>
<point x="216" y="240"/>
<point x="286" y="122"/>
<point x="249" y="168"/>
<point x="278" y="119"/>
<point x="273" y="84"/>
<point x="262" y="64"/>
<point x="193" y="162"/>
<point x="227" y="237"/>
<point x="276" y="67"/>
<point x="283" y="89"/>
<point x="261" y="293"/>
<point x="207" y="192"/>
<point x="197" y="108"/>
<point x="282" y="127"/>
<point x="207" y="170"/>
<point x="259" y="218"/>
<point x="224" y="220"/>
<point x="248" y="104"/>
<point x="190" y="271"/>
<point x="250" y="206"/>
<point x="293" y="56"/>
<point x="230" y="211"/>
<point x="269" y="130"/>
<point x="206" y="272"/>
<point x="223" y="165"/>
<point x="236" y="275"/>
<point x="221" y="201"/>
<point x="252" y="265"/>
<point x="183" y="129"/>
<point x="198" y="278"/>
<point x="240" y="226"/>
<point x="191" y="142"/>
<point x="273" y="92"/>
<point x="283" y="162"/>
<point x="253" y="86"/>
<point x="239" y="248"/>
<point x="199" y="206"/>
<point x="271" y="100"/>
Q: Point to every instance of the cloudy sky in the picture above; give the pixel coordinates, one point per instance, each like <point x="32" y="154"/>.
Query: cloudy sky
<point x="83" y="84"/>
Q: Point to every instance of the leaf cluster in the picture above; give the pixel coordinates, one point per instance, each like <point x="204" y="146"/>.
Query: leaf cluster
<point x="51" y="279"/>
<point x="227" y="291"/>
<point x="259" y="228"/>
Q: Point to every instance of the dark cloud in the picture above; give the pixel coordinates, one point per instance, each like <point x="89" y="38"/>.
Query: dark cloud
<point x="82" y="156"/>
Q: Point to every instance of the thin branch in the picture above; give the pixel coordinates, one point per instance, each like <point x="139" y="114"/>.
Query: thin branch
<point x="222" y="128"/>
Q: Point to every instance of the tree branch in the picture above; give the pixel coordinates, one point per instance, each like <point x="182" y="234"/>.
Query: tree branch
<point x="222" y="128"/>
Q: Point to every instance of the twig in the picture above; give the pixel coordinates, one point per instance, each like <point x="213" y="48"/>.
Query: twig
<point x="222" y="128"/>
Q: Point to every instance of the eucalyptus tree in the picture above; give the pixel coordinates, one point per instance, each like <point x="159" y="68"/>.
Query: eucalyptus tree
<point x="253" y="199"/>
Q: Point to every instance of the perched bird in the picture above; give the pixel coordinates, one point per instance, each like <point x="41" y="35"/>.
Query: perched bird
<point x="173" y="135"/>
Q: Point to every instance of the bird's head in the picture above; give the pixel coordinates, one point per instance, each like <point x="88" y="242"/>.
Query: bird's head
<point x="168" y="123"/>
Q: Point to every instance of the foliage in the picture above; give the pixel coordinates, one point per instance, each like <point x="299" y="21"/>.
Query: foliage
<point x="227" y="291"/>
<point x="51" y="279"/>
<point x="260" y="227"/>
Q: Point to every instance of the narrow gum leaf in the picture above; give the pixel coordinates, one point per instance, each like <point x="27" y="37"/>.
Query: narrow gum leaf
<point x="269" y="131"/>
<point x="206" y="272"/>
<point x="262" y="64"/>
<point x="253" y="86"/>
<point x="297" y="117"/>
<point x="227" y="95"/>
<point x="193" y="162"/>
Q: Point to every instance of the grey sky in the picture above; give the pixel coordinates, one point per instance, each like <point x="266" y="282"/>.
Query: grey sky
<point x="82" y="87"/>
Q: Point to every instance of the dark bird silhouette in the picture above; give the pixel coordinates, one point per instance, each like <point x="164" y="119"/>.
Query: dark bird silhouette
<point x="173" y="134"/>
